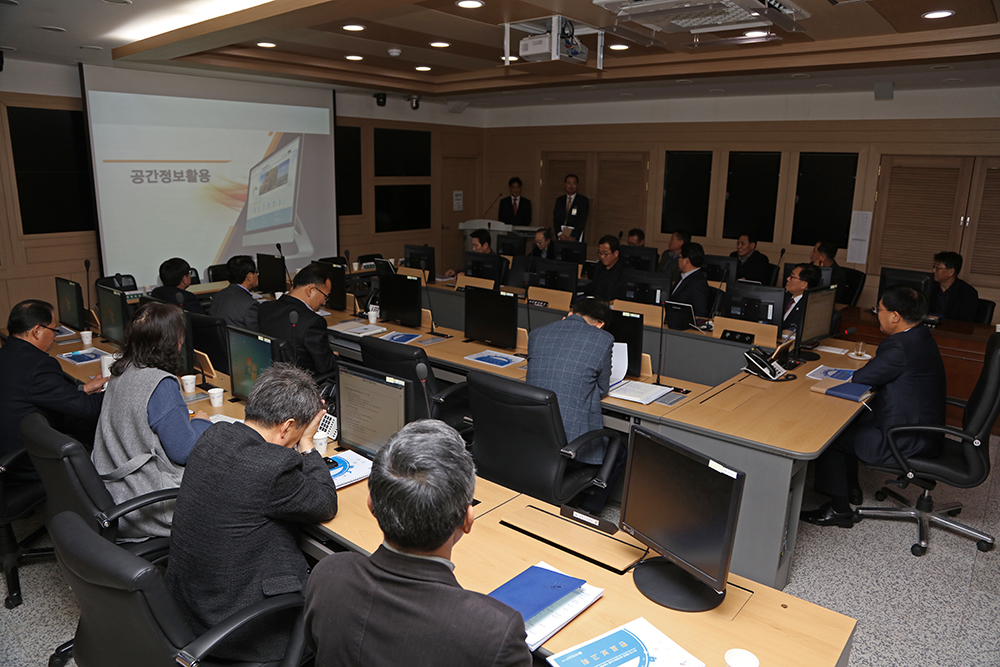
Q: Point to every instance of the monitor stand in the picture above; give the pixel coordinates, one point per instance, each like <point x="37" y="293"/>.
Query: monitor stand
<point x="669" y="586"/>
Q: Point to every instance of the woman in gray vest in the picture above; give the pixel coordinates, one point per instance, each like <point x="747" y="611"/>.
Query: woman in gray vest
<point x="144" y="435"/>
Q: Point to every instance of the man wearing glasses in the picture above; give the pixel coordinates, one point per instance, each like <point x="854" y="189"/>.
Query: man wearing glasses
<point x="953" y="298"/>
<point x="802" y="277"/>
<point x="32" y="381"/>
<point x="293" y="319"/>
<point x="609" y="278"/>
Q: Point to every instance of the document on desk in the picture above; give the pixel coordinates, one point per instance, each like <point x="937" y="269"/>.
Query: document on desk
<point x="215" y="419"/>
<point x="400" y="337"/>
<point x="350" y="467"/>
<point x="830" y="373"/>
<point x="84" y="356"/>
<point x="635" y="644"/>
<point x="557" y="615"/>
<point x="638" y="392"/>
<point x="494" y="358"/>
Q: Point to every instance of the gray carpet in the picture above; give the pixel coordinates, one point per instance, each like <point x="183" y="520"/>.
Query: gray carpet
<point x="942" y="609"/>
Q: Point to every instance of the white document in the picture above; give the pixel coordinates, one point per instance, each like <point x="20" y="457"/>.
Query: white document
<point x="494" y="358"/>
<point x="351" y="468"/>
<point x="215" y="419"/>
<point x="635" y="643"/>
<point x="830" y="349"/>
<point x="638" y="392"/>
<point x="554" y="618"/>
<point x="619" y="362"/>
<point x="84" y="356"/>
<point x="857" y="244"/>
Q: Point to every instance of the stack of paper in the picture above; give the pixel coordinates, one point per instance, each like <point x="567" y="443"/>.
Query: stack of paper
<point x="635" y="643"/>
<point x="350" y="467"/>
<point x="638" y="392"/>
<point x="84" y="356"/>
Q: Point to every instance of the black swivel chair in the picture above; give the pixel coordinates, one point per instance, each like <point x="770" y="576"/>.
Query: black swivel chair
<point x="984" y="311"/>
<point x="964" y="463"/>
<point x="339" y="260"/>
<point x="195" y="279"/>
<point x="216" y="273"/>
<point x="120" y="281"/>
<point x="129" y="617"/>
<point x="520" y="442"/>
<point x="17" y="502"/>
<point x="449" y="404"/>
<point x="773" y="271"/>
<point x="363" y="259"/>
<point x="854" y="283"/>
<point x="210" y="336"/>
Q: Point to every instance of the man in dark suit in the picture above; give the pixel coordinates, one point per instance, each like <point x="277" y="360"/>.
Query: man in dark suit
<point x="32" y="381"/>
<point x="515" y="210"/>
<point x="236" y="304"/>
<point x="609" y="276"/>
<point x="801" y="278"/>
<point x="402" y="605"/>
<point x="668" y="260"/>
<point x="175" y="276"/>
<point x="952" y="298"/>
<point x="693" y="286"/>
<point x="750" y="264"/>
<point x="543" y="244"/>
<point x="823" y="254"/>
<point x="247" y="489"/>
<point x="571" y="210"/>
<point x="482" y="244"/>
<point x="308" y="335"/>
<point x="908" y="375"/>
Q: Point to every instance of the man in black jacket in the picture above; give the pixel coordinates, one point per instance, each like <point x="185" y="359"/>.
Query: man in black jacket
<point x="952" y="298"/>
<point x="693" y="286"/>
<point x="175" y="276"/>
<point x="515" y="210"/>
<point x="750" y="264"/>
<point x="236" y="304"/>
<point x="308" y="334"/>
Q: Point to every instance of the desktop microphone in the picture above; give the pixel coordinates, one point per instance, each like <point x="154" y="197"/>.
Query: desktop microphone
<point x="847" y="332"/>
<point x="422" y="376"/>
<point x="491" y="205"/>
<point x="287" y="275"/>
<point x="620" y="235"/>
<point x="293" y="317"/>
<point x="718" y="296"/>
<point x="430" y="306"/>
<point x="118" y="280"/>
<point x="86" y="267"/>
<point x="663" y="318"/>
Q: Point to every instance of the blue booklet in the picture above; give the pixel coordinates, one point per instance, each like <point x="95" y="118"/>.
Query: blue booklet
<point x="535" y="589"/>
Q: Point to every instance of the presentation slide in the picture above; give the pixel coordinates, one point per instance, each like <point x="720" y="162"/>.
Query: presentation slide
<point x="205" y="169"/>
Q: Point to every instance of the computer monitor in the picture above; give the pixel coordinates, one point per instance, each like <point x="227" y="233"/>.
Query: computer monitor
<point x="399" y="299"/>
<point x="825" y="274"/>
<point x="717" y="267"/>
<point x="337" y="300"/>
<point x="754" y="303"/>
<point x="627" y="328"/>
<point x="555" y="274"/>
<point x="69" y="300"/>
<point x="511" y="244"/>
<point x="814" y="324"/>
<point x="420" y="257"/>
<point x="187" y="348"/>
<point x="679" y="316"/>
<point x="520" y="268"/>
<point x="483" y="265"/>
<point x="112" y="312"/>
<point x="922" y="281"/>
<point x="272" y="197"/>
<point x="383" y="267"/>
<point x="371" y="407"/>
<point x="646" y="286"/>
<point x="639" y="258"/>
<point x="250" y="354"/>
<point x="684" y="506"/>
<point x="271" y="273"/>
<point x="570" y="251"/>
<point x="491" y="316"/>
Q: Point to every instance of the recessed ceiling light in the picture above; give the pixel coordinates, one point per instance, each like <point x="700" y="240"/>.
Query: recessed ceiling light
<point x="619" y="47"/>
<point x="684" y="81"/>
<point x="9" y="2"/>
<point x="354" y="27"/>
<point x="755" y="33"/>
<point x="92" y="48"/>
<point x="266" y="45"/>
<point x="8" y="48"/>
<point x="589" y="87"/>
<point x="511" y="58"/>
<point x="470" y="4"/>
<point x="941" y="14"/>
<point x="716" y="90"/>
<point x="506" y="92"/>
<point x="51" y="28"/>
<point x="117" y="2"/>
<point x="354" y="57"/>
<point x="626" y="94"/>
<point x="422" y="68"/>
<point x="548" y="99"/>
<point x="440" y="45"/>
<point x="953" y="80"/>
<point x="824" y="85"/>
<point x="800" y="75"/>
<point x="941" y="68"/>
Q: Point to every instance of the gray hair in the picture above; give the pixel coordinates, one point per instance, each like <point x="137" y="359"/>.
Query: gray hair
<point x="283" y="392"/>
<point x="421" y="485"/>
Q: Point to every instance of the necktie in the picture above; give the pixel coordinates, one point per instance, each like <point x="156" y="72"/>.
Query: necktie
<point x="569" y="205"/>
<point x="515" y="205"/>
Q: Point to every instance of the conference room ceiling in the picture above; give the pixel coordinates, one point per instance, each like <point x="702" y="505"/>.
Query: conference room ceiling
<point x="813" y="46"/>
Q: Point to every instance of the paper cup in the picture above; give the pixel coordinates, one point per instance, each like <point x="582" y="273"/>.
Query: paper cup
<point x="215" y="396"/>
<point x="740" y="657"/>
<point x="87" y="338"/>
<point x="319" y="442"/>
<point x="187" y="383"/>
<point x="106" y="362"/>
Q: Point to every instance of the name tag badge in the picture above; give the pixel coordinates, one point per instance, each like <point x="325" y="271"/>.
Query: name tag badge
<point x="573" y="212"/>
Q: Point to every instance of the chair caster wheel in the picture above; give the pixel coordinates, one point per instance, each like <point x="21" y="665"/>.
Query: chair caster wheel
<point x="880" y="496"/>
<point x="857" y="516"/>
<point x="983" y="545"/>
<point x="11" y="602"/>
<point x="918" y="550"/>
<point x="57" y="661"/>
<point x="955" y="512"/>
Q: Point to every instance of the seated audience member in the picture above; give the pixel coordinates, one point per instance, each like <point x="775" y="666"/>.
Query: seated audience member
<point x="144" y="436"/>
<point x="953" y="298"/>
<point x="668" y="260"/>
<point x="750" y="264"/>
<point x="32" y="381"/>
<point x="247" y="490"/>
<point x="309" y="337"/>
<point x="692" y="287"/>
<point x="175" y="274"/>
<point x="609" y="276"/>
<point x="572" y="357"/>
<point x="636" y="237"/>
<point x="801" y="278"/>
<point x="402" y="604"/>
<point x="543" y="244"/>
<point x="515" y="210"/>
<point x="823" y="254"/>
<point x="482" y="244"/>
<point x="908" y="374"/>
<point x="236" y="304"/>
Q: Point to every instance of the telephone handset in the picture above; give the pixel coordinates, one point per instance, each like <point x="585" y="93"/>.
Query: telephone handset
<point x="763" y="365"/>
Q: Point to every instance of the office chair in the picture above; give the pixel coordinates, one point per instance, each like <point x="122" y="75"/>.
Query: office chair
<point x="984" y="311"/>
<point x="773" y="271"/>
<point x="964" y="463"/>
<point x="854" y="283"/>
<point x="129" y="617"/>
<point x="520" y="442"/>
<point x="362" y="259"/>
<point x="338" y="260"/>
<point x="195" y="279"/>
<point x="216" y="273"/>
<point x="17" y="502"/>
<point x="120" y="281"/>
<point x="449" y="404"/>
<point x="210" y="336"/>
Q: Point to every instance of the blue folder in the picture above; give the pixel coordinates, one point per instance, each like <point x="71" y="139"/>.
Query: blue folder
<point x="535" y="589"/>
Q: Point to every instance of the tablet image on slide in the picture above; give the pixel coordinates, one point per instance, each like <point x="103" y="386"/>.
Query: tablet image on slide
<point x="272" y="199"/>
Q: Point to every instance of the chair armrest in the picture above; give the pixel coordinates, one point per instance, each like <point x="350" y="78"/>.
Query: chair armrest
<point x="614" y="438"/>
<point x="610" y="455"/>
<point x="193" y="653"/>
<point x="10" y="457"/>
<point x="447" y="393"/>
<point x="918" y="428"/>
<point x="120" y="510"/>
<point x="323" y="377"/>
<point x="958" y="402"/>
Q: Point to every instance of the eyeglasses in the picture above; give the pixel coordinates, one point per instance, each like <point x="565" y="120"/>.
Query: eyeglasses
<point x="325" y="295"/>
<point x="604" y="253"/>
<point x="792" y="276"/>
<point x="49" y="328"/>
<point x="939" y="267"/>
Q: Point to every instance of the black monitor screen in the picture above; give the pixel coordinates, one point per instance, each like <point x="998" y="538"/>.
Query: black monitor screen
<point x="639" y="258"/>
<point x="69" y="299"/>
<point x="521" y="268"/>
<point x="250" y="354"/>
<point x="371" y="406"/>
<point x="112" y="311"/>
<point x="717" y="267"/>
<point x="817" y="315"/>
<point x="921" y="281"/>
<point x="683" y="505"/>
<point x="511" y="244"/>
<point x="187" y="348"/>
<point x="627" y="328"/>
<point x="570" y="251"/>
<point x="554" y="274"/>
<point x="399" y="299"/>
<point x="337" y="300"/>
<point x="646" y="286"/>
<point x="825" y="274"/>
<point x="271" y="273"/>
<point x="491" y="316"/>
<point x="754" y="303"/>
<point x="383" y="267"/>
<point x="420" y="257"/>
<point x="482" y="265"/>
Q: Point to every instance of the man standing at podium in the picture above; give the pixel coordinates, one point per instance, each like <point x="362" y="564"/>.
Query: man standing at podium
<point x="571" y="210"/>
<point x="515" y="210"/>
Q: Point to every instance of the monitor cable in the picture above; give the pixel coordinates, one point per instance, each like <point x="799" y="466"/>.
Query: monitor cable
<point x="718" y="294"/>
<point x="86" y="267"/>
<point x="430" y="306"/>
<point x="287" y="275"/>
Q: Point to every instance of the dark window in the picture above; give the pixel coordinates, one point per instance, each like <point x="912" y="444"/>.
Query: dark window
<point x="824" y="198"/>
<point x="686" y="184"/>
<point x="348" y="177"/>
<point x="402" y="152"/>
<point x="55" y="186"/>
<point x="751" y="195"/>
<point x="400" y="207"/>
